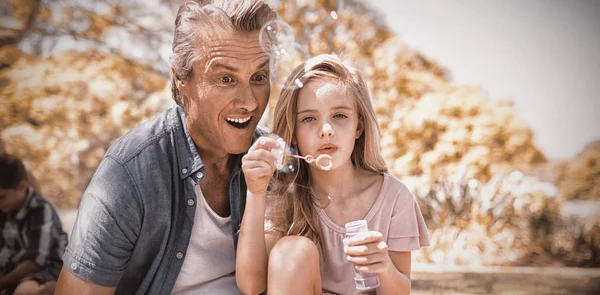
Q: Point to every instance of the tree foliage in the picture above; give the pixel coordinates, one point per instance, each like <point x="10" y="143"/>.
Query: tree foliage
<point x="76" y="75"/>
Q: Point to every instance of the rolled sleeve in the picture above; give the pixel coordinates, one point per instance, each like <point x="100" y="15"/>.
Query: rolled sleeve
<point x="107" y="226"/>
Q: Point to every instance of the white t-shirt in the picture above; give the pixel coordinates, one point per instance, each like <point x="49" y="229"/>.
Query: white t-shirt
<point x="209" y="265"/>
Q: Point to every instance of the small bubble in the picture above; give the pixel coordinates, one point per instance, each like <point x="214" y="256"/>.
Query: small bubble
<point x="290" y="163"/>
<point x="334" y="15"/>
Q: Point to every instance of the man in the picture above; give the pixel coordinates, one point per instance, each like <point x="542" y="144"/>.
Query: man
<point x="162" y="212"/>
<point x="31" y="237"/>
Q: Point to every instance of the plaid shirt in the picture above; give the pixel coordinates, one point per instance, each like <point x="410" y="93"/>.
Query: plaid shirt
<point x="34" y="232"/>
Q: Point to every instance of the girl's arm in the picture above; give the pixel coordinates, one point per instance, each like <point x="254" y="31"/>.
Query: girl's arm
<point x="253" y="244"/>
<point x="254" y="247"/>
<point x="396" y="278"/>
<point x="252" y="254"/>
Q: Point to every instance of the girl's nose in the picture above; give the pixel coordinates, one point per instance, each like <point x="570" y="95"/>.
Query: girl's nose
<point x="327" y="130"/>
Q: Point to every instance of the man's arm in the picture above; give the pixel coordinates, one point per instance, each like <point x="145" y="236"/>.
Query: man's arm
<point x="70" y="284"/>
<point x="106" y="230"/>
<point x="22" y="269"/>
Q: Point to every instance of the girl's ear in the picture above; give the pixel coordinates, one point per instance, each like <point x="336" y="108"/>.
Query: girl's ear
<point x="360" y="128"/>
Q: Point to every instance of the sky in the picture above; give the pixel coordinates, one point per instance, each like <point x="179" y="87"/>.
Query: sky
<point x="544" y="55"/>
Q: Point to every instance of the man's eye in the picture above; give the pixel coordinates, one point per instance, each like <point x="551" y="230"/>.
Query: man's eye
<point x="226" y="79"/>
<point x="261" y="78"/>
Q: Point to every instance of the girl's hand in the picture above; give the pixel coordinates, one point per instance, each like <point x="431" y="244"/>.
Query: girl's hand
<point x="259" y="164"/>
<point x="368" y="252"/>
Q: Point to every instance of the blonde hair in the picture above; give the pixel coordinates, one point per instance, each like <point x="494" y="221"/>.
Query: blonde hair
<point x="293" y="207"/>
<point x="193" y="18"/>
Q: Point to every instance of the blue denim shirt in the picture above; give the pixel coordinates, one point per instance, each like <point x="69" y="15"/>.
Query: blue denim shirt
<point x="135" y="217"/>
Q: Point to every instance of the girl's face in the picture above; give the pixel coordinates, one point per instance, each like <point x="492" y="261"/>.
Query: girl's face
<point x="327" y="121"/>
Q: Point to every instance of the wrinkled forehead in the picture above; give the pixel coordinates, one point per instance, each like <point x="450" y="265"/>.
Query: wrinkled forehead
<point x="222" y="44"/>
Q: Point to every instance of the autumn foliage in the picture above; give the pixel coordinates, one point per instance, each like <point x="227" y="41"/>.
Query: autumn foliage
<point x="454" y="146"/>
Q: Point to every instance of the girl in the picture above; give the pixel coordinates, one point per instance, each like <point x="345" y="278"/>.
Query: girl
<point x="302" y="248"/>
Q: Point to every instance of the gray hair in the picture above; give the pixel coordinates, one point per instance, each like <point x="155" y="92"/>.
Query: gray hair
<point x="243" y="16"/>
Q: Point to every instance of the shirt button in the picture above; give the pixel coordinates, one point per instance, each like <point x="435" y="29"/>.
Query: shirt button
<point x="199" y="175"/>
<point x="74" y="266"/>
<point x="190" y="202"/>
<point x="179" y="255"/>
<point x="184" y="170"/>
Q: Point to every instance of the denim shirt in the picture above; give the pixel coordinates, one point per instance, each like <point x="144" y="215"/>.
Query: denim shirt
<point x="136" y="215"/>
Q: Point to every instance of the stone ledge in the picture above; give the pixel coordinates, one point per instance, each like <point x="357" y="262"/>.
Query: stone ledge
<point x="450" y="279"/>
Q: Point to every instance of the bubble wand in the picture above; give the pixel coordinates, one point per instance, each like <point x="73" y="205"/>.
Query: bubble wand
<point x="318" y="161"/>
<point x="323" y="161"/>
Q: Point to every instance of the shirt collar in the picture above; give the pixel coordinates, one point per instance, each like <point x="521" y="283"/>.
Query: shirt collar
<point x="187" y="155"/>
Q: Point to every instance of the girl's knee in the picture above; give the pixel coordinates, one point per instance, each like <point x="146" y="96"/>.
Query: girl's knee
<point x="294" y="249"/>
<point x="294" y="263"/>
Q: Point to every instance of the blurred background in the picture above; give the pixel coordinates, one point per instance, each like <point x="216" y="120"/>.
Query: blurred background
<point x="488" y="109"/>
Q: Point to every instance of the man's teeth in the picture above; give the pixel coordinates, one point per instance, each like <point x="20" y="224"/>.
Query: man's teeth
<point x="240" y="121"/>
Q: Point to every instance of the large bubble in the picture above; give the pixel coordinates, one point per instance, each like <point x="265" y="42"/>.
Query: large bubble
<point x="275" y="36"/>
<point x="277" y="39"/>
<point x="283" y="64"/>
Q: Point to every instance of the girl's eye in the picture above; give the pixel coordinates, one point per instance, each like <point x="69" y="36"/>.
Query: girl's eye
<point x="226" y="79"/>
<point x="308" y="119"/>
<point x="340" y="116"/>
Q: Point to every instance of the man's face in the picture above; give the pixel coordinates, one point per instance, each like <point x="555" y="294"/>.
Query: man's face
<point x="12" y="198"/>
<point x="227" y="93"/>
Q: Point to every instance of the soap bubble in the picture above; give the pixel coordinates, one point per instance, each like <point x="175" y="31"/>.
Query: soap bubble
<point x="283" y="63"/>
<point x="277" y="39"/>
<point x="287" y="161"/>
<point x="276" y="35"/>
<point x="340" y="7"/>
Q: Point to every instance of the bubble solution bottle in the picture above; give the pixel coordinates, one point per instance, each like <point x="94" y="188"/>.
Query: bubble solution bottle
<point x="364" y="281"/>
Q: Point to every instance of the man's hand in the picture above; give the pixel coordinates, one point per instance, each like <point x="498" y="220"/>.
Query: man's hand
<point x="259" y="164"/>
<point x="368" y="252"/>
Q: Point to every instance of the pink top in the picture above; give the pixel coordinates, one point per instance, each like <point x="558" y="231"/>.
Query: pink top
<point x="395" y="214"/>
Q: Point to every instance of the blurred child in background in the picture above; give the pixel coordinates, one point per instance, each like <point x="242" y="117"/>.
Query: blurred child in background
<point x="32" y="241"/>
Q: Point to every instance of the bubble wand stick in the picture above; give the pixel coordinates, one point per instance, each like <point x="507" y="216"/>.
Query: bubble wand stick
<point x="318" y="161"/>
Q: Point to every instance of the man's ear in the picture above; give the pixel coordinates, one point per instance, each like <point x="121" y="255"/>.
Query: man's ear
<point x="180" y="84"/>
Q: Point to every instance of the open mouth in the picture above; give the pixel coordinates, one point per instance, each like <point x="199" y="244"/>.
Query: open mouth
<point x="239" y="123"/>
